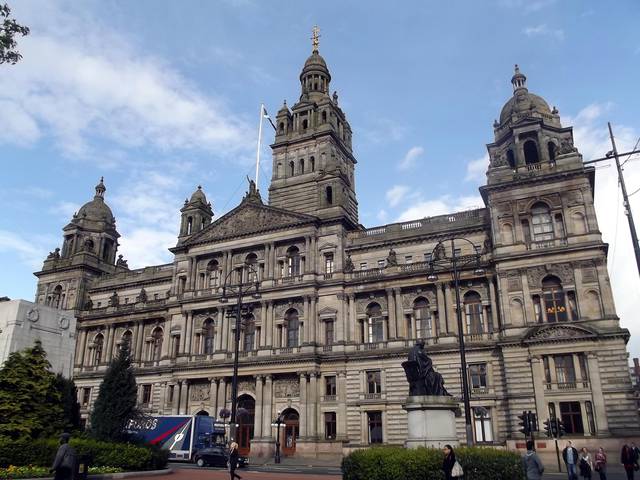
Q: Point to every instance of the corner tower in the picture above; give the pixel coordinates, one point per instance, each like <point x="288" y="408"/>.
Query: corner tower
<point x="313" y="163"/>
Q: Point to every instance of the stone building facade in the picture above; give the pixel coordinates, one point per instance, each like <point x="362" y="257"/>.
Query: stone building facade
<point x="340" y="304"/>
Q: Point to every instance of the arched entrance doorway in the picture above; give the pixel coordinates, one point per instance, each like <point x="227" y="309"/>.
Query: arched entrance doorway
<point x="246" y="412"/>
<point x="291" y="431"/>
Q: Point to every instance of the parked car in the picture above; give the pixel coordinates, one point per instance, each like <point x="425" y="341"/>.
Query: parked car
<point x="216" y="456"/>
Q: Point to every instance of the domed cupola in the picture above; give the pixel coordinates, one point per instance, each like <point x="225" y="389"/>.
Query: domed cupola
<point x="315" y="77"/>
<point x="92" y="229"/>
<point x="196" y="214"/>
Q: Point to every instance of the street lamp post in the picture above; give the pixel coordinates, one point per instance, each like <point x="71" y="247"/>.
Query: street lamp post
<point x="276" y="424"/>
<point x="238" y="289"/>
<point x="455" y="262"/>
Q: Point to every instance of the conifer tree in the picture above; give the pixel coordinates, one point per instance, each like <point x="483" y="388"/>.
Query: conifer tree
<point x="70" y="405"/>
<point x="117" y="397"/>
<point x="30" y="402"/>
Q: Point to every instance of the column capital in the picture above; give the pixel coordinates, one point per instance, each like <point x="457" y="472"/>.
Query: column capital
<point x="259" y="377"/>
<point x="352" y="296"/>
<point x="268" y="378"/>
<point x="389" y="291"/>
<point x="302" y="375"/>
<point x="342" y="373"/>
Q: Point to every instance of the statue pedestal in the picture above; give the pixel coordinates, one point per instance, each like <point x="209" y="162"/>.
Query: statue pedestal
<point x="431" y="421"/>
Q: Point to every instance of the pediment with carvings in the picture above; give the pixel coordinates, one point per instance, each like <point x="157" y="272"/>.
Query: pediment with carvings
<point x="558" y="333"/>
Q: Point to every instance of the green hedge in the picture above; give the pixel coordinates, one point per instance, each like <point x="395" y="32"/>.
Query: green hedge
<point x="126" y="456"/>
<point x="397" y="463"/>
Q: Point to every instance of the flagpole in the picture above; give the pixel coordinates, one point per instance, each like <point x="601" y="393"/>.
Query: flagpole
<point x="259" y="143"/>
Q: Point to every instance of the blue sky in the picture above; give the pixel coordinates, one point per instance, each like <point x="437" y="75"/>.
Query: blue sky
<point x="161" y="96"/>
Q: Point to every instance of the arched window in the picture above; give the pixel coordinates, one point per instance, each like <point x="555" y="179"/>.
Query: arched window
<point x="552" y="151"/>
<point x="292" y="168"/>
<point x="537" y="309"/>
<point x="208" y="336"/>
<point x="423" y="317"/>
<point x="279" y="170"/>
<point x="281" y="128"/>
<point x="293" y="327"/>
<point x="554" y="303"/>
<point x="542" y="224"/>
<point x="374" y="326"/>
<point x="312" y="162"/>
<point x="329" y="195"/>
<point x="213" y="269"/>
<point x="156" y="344"/>
<point x="252" y="267"/>
<point x="249" y="333"/>
<point x="301" y="165"/>
<point x="531" y="152"/>
<point x="56" y="302"/>
<point x="98" y="345"/>
<point x="125" y="342"/>
<point x="473" y="313"/>
<point x="511" y="159"/>
<point x="293" y="262"/>
<point x="189" y="225"/>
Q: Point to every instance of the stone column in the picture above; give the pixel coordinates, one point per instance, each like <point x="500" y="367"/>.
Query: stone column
<point x="139" y="341"/>
<point x="494" y="304"/>
<point x="225" y="331"/>
<point x="391" y="312"/>
<point x="213" y="396"/>
<point x="189" y="285"/>
<point x="341" y="321"/>
<point x="109" y="344"/>
<point x="312" y="431"/>
<point x="177" y="398"/>
<point x="267" y="414"/>
<point x="305" y="333"/>
<point x="185" y="395"/>
<point x="82" y="347"/>
<point x="450" y="311"/>
<point x="352" y="318"/>
<point x="599" y="408"/>
<point x="442" y="314"/>
<point x="257" y="421"/>
<point x="222" y="394"/>
<point x="268" y="331"/>
<point x="219" y="327"/>
<point x="314" y="320"/>
<point x="163" y="397"/>
<point x="341" y="427"/>
<point x="400" y="320"/>
<point x="263" y="323"/>
<point x="537" y="371"/>
<point x="528" y="302"/>
<point x="189" y="333"/>
<point x="303" y="405"/>
<point x="313" y="256"/>
<point x="307" y="256"/>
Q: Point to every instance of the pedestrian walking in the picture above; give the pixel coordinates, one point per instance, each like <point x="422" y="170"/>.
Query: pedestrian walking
<point x="629" y="460"/>
<point x="450" y="466"/>
<point x="586" y="464"/>
<point x="636" y="455"/>
<point x="533" y="467"/>
<point x="570" y="457"/>
<point x="601" y="464"/>
<point x="233" y="461"/>
<point x="65" y="462"/>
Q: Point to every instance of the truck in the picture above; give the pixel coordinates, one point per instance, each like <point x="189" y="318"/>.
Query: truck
<point x="182" y="435"/>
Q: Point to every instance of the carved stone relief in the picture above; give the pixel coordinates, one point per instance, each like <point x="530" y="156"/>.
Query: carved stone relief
<point x="514" y="282"/>
<point x="281" y="308"/>
<point x="574" y="197"/>
<point x="287" y="387"/>
<point x="199" y="392"/>
<point x="362" y="303"/>
<point x="589" y="274"/>
<point x="246" y="386"/>
<point x="564" y="271"/>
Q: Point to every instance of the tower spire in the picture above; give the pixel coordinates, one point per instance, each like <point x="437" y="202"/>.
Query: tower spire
<point x="519" y="80"/>
<point x="315" y="38"/>
<point x="100" y="188"/>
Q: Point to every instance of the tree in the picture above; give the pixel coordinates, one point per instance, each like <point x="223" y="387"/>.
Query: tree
<point x="70" y="405"/>
<point x="30" y="403"/>
<point x="117" y="398"/>
<point x="9" y="28"/>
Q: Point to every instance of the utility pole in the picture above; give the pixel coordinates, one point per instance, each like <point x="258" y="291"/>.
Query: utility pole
<point x="625" y="200"/>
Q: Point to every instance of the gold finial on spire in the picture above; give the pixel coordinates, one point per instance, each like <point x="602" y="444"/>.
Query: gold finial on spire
<point x="315" y="37"/>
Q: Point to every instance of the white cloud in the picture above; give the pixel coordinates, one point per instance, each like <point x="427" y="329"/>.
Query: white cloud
<point x="439" y="206"/>
<point x="528" y="6"/>
<point x="382" y="216"/>
<point x="383" y="129"/>
<point x="396" y="194"/>
<point x="30" y="251"/>
<point x="64" y="210"/>
<point x="82" y="85"/>
<point x="477" y="169"/>
<point x="544" y="30"/>
<point x="411" y="158"/>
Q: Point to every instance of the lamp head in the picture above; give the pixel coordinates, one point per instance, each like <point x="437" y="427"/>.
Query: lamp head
<point x="432" y="277"/>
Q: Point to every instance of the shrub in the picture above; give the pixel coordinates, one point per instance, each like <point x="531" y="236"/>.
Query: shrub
<point x="124" y="456"/>
<point x="397" y="463"/>
<point x="41" y="472"/>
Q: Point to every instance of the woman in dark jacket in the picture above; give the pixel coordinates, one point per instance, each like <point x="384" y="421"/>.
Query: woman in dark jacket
<point x="628" y="460"/>
<point x="233" y="461"/>
<point x="448" y="462"/>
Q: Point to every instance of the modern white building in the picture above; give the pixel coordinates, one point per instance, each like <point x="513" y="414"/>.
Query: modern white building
<point x="23" y="322"/>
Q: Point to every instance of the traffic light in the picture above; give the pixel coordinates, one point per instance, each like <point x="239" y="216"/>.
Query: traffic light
<point x="533" y="422"/>
<point x="548" y="428"/>
<point x="560" y="426"/>
<point x="524" y="423"/>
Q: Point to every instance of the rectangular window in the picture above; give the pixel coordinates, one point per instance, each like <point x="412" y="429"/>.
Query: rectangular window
<point x="328" y="263"/>
<point x="176" y="346"/>
<point x="474" y="318"/>
<point x="381" y="263"/>
<point x="363" y="265"/>
<point x="374" y="421"/>
<point x="457" y="252"/>
<point x="565" y="371"/>
<point x="408" y="259"/>
<point x="330" y="425"/>
<point x="584" y="369"/>
<point x="482" y="424"/>
<point x="537" y="308"/>
<point x="588" y="406"/>
<point x="86" y="396"/>
<point x="330" y="386"/>
<point x="146" y="394"/>
<point x="555" y="306"/>
<point x="571" y="417"/>
<point x="375" y="329"/>
<point x="328" y="332"/>
<point x="374" y="385"/>
<point x="547" y="370"/>
<point x="170" y="394"/>
<point x="526" y="231"/>
<point x="478" y="377"/>
<point x="542" y="226"/>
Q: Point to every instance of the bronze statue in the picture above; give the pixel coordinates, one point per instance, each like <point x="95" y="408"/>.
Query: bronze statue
<point x="422" y="378"/>
<point x="392" y="259"/>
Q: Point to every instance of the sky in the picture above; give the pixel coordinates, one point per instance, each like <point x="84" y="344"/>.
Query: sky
<point x="159" y="97"/>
